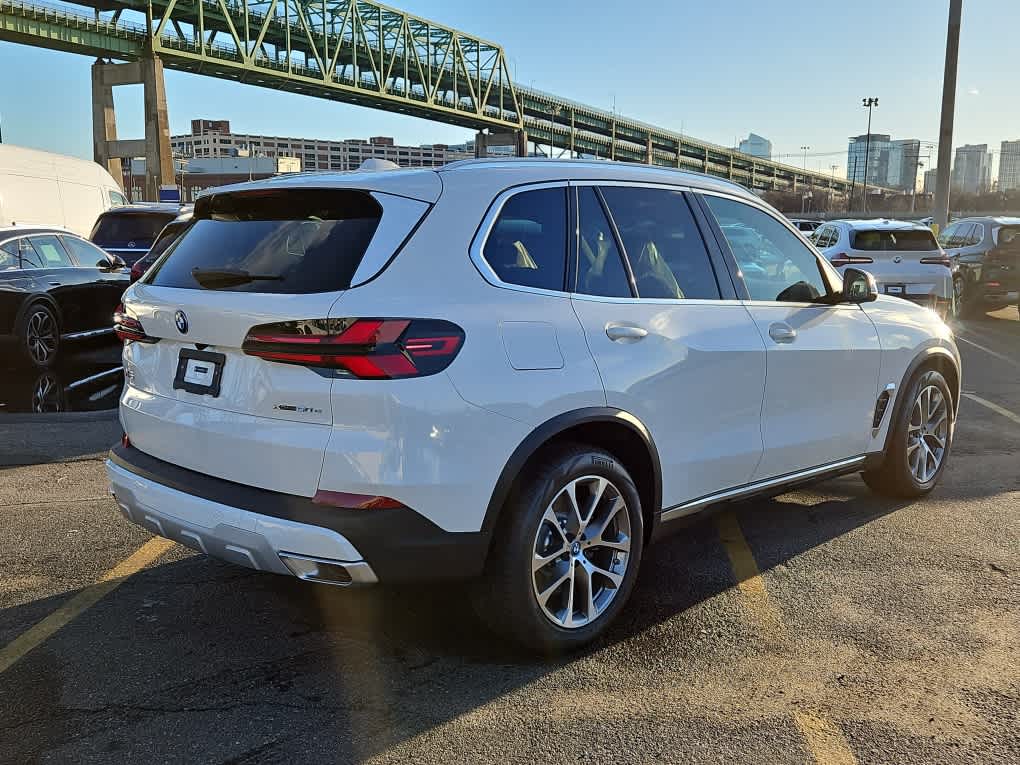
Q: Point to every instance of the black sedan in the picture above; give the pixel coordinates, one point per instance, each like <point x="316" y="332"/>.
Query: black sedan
<point x="55" y="287"/>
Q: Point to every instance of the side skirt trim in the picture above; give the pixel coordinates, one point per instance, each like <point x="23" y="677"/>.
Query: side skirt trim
<point x="689" y="508"/>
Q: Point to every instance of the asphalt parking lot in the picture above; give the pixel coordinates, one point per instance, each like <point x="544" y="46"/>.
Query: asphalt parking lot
<point x="822" y="626"/>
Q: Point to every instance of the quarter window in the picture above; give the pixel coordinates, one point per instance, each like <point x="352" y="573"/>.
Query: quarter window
<point x="528" y="242"/>
<point x="9" y="259"/>
<point x="662" y="243"/>
<point x="774" y="263"/>
<point x="599" y="266"/>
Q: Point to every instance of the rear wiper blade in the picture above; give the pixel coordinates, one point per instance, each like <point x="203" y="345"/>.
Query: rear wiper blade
<point x="219" y="278"/>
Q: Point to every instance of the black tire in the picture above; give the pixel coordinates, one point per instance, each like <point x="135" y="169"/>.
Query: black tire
<point x="506" y="597"/>
<point x="39" y="336"/>
<point x="896" y="477"/>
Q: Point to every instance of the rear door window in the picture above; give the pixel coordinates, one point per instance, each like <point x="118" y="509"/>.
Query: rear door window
<point x="86" y="253"/>
<point x="51" y="252"/>
<point x="662" y="243"/>
<point x="599" y="265"/>
<point x="886" y="240"/>
<point x="528" y="242"/>
<point x="287" y="241"/>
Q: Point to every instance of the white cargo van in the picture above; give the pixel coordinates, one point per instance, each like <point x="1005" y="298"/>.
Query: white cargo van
<point x="40" y="188"/>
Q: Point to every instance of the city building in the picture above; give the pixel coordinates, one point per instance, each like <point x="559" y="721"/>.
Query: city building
<point x="756" y="146"/>
<point x="1009" y="165"/>
<point x="213" y="138"/>
<point x="199" y="173"/>
<point x="972" y="169"/>
<point x="930" y="180"/>
<point x="893" y="164"/>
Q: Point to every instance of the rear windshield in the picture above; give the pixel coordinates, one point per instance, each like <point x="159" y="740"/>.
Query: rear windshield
<point x="887" y="240"/>
<point x="120" y="229"/>
<point x="288" y="241"/>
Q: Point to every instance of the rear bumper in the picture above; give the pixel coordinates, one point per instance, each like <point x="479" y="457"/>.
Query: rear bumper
<point x="287" y="534"/>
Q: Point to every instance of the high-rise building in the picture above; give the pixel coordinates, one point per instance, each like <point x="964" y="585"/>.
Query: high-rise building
<point x="756" y="146"/>
<point x="212" y="138"/>
<point x="972" y="169"/>
<point x="1009" y="165"/>
<point x="904" y="157"/>
<point x="930" y="180"/>
<point x="877" y="152"/>
<point x="890" y="163"/>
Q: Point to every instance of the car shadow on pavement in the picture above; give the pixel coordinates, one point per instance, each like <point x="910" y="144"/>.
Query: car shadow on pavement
<point x="200" y="660"/>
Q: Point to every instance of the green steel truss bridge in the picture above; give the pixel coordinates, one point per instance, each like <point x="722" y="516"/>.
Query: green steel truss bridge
<point x="361" y="52"/>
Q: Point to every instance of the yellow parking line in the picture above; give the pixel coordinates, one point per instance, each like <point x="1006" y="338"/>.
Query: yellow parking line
<point x="994" y="407"/>
<point x="111" y="580"/>
<point x="824" y="739"/>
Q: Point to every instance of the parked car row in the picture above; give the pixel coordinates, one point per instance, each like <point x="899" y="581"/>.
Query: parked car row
<point x="982" y="256"/>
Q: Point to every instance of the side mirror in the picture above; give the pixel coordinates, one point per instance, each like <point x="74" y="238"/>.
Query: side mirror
<point x="111" y="263"/>
<point x="859" y="286"/>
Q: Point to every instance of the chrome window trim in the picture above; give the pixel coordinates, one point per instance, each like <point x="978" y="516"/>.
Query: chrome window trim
<point x="654" y="301"/>
<point x="485" y="229"/>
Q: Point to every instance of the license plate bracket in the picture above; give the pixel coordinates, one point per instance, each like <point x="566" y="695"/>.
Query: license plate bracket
<point x="199" y="372"/>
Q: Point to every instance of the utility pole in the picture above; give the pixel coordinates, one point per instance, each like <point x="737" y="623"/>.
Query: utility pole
<point x="941" y="212"/>
<point x="869" y="104"/>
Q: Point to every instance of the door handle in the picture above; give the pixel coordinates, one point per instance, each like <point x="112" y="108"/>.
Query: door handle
<point x="782" y="333"/>
<point x="625" y="333"/>
<point x="55" y="284"/>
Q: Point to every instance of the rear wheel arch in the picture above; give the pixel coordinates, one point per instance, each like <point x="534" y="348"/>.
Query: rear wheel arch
<point x="33" y="300"/>
<point x="614" y="430"/>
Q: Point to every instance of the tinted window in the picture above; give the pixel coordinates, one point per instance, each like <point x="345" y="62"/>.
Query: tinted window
<point x="528" y="243"/>
<point x="662" y="243"/>
<point x="773" y="261"/>
<point x="9" y="258"/>
<point x="893" y="241"/>
<point x="282" y="241"/>
<point x="1009" y="236"/>
<point x="120" y="229"/>
<point x="823" y="236"/>
<point x="949" y="234"/>
<point x="976" y="234"/>
<point x="27" y="256"/>
<point x="85" y="253"/>
<point x="51" y="252"/>
<point x="599" y="267"/>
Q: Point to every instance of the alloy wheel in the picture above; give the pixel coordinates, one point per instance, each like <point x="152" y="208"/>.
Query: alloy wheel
<point x="927" y="433"/>
<point x="581" y="552"/>
<point x="41" y="336"/>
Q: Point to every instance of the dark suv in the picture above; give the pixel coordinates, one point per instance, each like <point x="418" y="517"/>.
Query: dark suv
<point x="986" y="256"/>
<point x="128" y="232"/>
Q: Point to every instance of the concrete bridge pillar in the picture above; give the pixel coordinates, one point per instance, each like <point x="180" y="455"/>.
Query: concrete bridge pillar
<point x="516" y="138"/>
<point x="108" y="150"/>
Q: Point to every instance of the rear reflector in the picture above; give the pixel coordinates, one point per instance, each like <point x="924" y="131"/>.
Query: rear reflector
<point x="129" y="329"/>
<point x="370" y="349"/>
<point x="842" y="259"/>
<point x="355" y="501"/>
<point x="942" y="261"/>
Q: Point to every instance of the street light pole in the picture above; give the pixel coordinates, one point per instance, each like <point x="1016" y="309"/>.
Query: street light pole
<point x="805" y="150"/>
<point x="869" y="104"/>
<point x="941" y="212"/>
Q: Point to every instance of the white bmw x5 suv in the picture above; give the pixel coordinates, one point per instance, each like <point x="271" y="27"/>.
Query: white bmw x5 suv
<point x="516" y="371"/>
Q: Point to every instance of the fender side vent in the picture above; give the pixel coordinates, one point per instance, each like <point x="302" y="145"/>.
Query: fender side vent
<point x="880" y="406"/>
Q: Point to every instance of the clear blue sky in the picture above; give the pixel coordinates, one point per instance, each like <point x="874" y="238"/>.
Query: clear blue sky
<point x="793" y="71"/>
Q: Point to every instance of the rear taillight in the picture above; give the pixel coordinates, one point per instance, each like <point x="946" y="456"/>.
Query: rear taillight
<point x="842" y="259"/>
<point x="938" y="261"/>
<point x="129" y="329"/>
<point x="373" y="349"/>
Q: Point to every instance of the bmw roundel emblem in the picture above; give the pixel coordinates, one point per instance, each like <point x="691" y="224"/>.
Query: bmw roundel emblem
<point x="182" y="322"/>
<point x="897" y="259"/>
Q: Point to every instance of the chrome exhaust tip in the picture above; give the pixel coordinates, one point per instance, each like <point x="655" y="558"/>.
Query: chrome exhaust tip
<point x="335" y="572"/>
